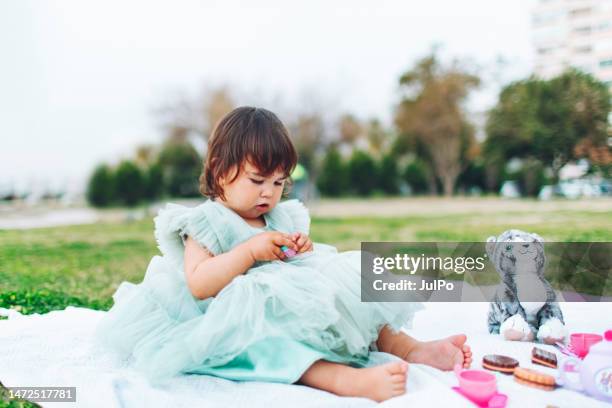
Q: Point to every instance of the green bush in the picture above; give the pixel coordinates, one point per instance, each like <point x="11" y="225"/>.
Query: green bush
<point x="181" y="167"/>
<point x="473" y="176"/>
<point x="415" y="174"/>
<point x="154" y="183"/>
<point x="389" y="175"/>
<point x="363" y="174"/>
<point x="129" y="184"/>
<point x="333" y="179"/>
<point x="100" y="188"/>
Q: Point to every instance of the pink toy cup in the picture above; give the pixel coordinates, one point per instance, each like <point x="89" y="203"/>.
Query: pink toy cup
<point x="479" y="385"/>
<point x="582" y="342"/>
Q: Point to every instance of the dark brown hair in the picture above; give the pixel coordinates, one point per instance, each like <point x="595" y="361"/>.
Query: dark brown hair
<point x="247" y="133"/>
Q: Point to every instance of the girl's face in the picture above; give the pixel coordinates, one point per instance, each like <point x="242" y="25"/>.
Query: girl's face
<point x="250" y="194"/>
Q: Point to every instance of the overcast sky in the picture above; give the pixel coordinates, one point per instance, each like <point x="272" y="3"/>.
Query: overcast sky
<point x="79" y="79"/>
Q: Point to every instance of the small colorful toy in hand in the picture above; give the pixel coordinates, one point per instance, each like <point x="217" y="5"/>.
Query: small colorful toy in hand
<point x="525" y="306"/>
<point x="288" y="251"/>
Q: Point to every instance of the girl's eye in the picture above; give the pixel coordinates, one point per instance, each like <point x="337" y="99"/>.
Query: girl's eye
<point x="277" y="183"/>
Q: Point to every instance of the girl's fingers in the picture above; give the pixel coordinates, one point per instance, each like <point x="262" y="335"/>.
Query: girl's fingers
<point x="303" y="239"/>
<point x="287" y="242"/>
<point x="306" y="247"/>
<point x="279" y="253"/>
<point x="293" y="245"/>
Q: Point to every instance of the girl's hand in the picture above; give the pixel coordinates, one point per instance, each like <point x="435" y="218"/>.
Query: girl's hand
<point x="266" y="245"/>
<point x="302" y="241"/>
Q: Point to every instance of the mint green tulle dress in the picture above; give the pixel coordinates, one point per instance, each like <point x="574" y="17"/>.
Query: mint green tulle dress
<point x="269" y="324"/>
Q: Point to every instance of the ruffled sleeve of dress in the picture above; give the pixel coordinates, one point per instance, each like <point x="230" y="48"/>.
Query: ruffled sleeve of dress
<point x="206" y="226"/>
<point x="170" y="224"/>
<point x="298" y="213"/>
<point x="174" y="222"/>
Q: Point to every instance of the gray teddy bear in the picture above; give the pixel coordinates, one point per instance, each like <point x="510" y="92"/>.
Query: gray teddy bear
<point x="519" y="258"/>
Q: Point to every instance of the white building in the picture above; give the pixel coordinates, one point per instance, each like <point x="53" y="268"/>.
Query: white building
<point x="574" y="33"/>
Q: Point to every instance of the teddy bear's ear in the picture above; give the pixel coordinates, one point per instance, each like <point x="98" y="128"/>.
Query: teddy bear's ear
<point x="537" y="237"/>
<point x="490" y="246"/>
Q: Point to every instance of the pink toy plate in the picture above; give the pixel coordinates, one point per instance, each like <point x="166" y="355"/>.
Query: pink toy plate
<point x="498" y="400"/>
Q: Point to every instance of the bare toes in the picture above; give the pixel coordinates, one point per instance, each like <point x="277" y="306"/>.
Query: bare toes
<point x="398" y="378"/>
<point x="397" y="367"/>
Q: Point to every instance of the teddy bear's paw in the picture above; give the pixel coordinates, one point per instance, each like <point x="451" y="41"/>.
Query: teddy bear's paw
<point x="552" y="331"/>
<point x="516" y="328"/>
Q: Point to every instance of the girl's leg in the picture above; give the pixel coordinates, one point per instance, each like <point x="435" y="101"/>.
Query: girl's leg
<point x="378" y="383"/>
<point x="442" y="354"/>
<point x="398" y="344"/>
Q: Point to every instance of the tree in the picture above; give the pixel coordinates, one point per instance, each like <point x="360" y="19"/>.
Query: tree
<point x="600" y="157"/>
<point x="431" y="113"/>
<point x="378" y="137"/>
<point x="217" y="103"/>
<point x="552" y="121"/>
<point x="154" y="181"/>
<point x="473" y="176"/>
<point x="388" y="175"/>
<point x="532" y="177"/>
<point x="407" y="143"/>
<point x="181" y="168"/>
<point x="185" y="117"/>
<point x="333" y="179"/>
<point x="145" y="155"/>
<point x="101" y="187"/>
<point x="583" y="114"/>
<point x="129" y="183"/>
<point x="363" y="176"/>
<point x="415" y="175"/>
<point x="350" y="129"/>
<point x="307" y="133"/>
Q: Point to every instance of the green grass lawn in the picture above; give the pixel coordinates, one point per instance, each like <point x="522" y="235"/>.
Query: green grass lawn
<point x="51" y="268"/>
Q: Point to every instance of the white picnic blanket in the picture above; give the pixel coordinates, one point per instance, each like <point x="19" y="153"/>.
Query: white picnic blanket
<point x="56" y="349"/>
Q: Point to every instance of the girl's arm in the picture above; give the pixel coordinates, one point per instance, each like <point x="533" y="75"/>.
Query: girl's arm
<point x="206" y="274"/>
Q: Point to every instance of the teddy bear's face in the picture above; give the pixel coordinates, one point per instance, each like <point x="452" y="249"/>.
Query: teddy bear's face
<point x="516" y="251"/>
<point x="520" y="251"/>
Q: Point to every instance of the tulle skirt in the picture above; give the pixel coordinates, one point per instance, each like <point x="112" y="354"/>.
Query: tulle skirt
<point x="269" y="324"/>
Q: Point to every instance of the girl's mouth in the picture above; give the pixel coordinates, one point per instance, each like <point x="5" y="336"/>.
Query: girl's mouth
<point x="262" y="206"/>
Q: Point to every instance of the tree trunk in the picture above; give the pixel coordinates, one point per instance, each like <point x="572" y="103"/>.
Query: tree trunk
<point x="448" y="184"/>
<point x="432" y="184"/>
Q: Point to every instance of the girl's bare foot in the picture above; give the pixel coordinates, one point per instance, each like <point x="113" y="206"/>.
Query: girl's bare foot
<point x="378" y="383"/>
<point x="442" y="354"/>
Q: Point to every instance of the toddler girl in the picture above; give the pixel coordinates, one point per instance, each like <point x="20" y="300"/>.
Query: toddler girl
<point x="225" y="299"/>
